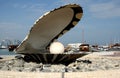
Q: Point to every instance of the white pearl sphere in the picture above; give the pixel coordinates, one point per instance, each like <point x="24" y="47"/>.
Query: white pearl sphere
<point x="56" y="48"/>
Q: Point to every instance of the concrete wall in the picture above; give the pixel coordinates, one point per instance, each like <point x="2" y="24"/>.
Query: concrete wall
<point x="94" y="74"/>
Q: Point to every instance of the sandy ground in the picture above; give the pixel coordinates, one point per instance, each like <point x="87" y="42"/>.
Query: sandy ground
<point x="92" y="74"/>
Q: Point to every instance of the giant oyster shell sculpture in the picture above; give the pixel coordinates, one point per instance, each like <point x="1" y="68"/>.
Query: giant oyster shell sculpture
<point x="47" y="29"/>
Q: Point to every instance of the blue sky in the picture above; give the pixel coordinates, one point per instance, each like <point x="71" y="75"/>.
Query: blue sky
<point x="100" y="21"/>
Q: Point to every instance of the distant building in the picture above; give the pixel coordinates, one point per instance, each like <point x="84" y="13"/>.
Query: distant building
<point x="74" y="45"/>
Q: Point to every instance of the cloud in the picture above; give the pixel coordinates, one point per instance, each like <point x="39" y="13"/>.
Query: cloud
<point x="64" y="2"/>
<point x="8" y="25"/>
<point x="105" y="10"/>
<point x="38" y="7"/>
<point x="11" y="30"/>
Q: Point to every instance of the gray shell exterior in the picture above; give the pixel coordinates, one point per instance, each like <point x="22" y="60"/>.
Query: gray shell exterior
<point x="49" y="28"/>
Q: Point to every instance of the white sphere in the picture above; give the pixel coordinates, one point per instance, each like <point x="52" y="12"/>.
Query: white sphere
<point x="56" y="48"/>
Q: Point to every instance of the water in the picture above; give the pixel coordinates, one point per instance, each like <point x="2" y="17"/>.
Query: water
<point x="6" y="52"/>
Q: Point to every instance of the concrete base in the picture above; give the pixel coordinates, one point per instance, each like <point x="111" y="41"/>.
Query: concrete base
<point x="94" y="74"/>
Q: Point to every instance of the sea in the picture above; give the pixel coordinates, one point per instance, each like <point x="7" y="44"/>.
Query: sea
<point x="6" y="52"/>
